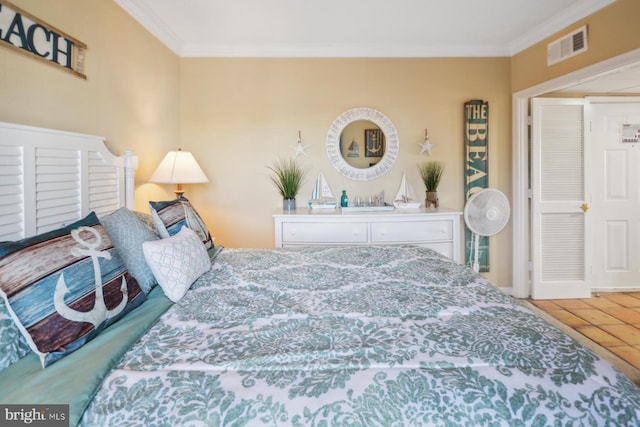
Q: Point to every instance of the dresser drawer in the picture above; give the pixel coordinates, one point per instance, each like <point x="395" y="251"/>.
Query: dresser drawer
<point x="437" y="229"/>
<point x="443" y="248"/>
<point x="411" y="231"/>
<point x="324" y="232"/>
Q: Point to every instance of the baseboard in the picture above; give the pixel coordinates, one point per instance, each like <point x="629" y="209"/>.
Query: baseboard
<point x="605" y="290"/>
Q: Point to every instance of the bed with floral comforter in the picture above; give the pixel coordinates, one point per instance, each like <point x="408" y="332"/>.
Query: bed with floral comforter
<point x="364" y="336"/>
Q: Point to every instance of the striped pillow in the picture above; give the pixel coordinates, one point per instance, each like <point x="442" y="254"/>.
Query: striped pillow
<point x="49" y="286"/>
<point x="172" y="215"/>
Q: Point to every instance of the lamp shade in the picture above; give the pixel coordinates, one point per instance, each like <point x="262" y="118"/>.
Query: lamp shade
<point x="178" y="167"/>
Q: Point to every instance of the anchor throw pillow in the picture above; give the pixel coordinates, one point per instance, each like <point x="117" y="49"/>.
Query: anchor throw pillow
<point x="65" y="286"/>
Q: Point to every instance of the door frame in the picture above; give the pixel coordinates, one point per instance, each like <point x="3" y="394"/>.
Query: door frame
<point x="520" y="205"/>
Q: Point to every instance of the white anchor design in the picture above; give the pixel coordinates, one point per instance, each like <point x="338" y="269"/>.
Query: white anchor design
<point x="99" y="313"/>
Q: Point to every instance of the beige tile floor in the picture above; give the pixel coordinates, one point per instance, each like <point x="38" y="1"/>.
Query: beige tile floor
<point x="610" y="319"/>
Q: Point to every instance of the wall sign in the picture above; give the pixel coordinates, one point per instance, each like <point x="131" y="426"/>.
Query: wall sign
<point x="24" y="33"/>
<point x="630" y="133"/>
<point x="476" y="168"/>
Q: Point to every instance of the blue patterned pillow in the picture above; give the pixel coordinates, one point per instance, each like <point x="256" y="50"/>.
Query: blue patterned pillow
<point x="49" y="284"/>
<point x="128" y="233"/>
<point x="172" y="215"/>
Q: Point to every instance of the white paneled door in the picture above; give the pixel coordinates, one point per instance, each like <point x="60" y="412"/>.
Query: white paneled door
<point x="585" y="196"/>
<point x="559" y="206"/>
<point x="616" y="194"/>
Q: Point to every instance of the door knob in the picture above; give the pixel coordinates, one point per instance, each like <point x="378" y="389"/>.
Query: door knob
<point x="584" y="207"/>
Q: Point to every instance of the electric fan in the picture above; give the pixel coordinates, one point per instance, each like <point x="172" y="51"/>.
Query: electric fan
<point x="485" y="213"/>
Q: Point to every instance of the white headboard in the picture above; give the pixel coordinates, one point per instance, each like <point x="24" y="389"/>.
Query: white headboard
<point x="51" y="178"/>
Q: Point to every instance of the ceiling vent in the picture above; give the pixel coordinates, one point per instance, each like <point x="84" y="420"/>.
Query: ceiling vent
<point x="567" y="46"/>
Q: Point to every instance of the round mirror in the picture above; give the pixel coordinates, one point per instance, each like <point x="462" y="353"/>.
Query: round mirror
<point x="362" y="144"/>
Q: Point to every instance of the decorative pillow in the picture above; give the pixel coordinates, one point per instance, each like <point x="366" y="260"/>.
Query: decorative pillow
<point x="172" y="215"/>
<point x="177" y="262"/>
<point x="13" y="346"/>
<point x="49" y="284"/>
<point x="128" y="233"/>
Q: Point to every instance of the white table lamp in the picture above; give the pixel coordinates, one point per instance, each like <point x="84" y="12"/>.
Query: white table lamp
<point x="178" y="167"/>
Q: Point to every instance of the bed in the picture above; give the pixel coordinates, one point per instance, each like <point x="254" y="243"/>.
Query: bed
<point x="316" y="336"/>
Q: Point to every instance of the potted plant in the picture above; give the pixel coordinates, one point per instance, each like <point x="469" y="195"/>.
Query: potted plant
<point x="431" y="173"/>
<point x="287" y="176"/>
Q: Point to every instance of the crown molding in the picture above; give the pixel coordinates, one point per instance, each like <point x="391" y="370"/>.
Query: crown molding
<point x="146" y="17"/>
<point x="341" y="51"/>
<point x="569" y="16"/>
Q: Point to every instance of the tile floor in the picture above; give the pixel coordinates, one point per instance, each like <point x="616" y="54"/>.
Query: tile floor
<point x="610" y="319"/>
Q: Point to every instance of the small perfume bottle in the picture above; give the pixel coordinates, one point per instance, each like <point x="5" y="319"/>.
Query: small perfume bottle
<point x="344" y="200"/>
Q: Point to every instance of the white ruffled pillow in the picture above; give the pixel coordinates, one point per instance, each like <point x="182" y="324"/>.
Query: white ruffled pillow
<point x="177" y="261"/>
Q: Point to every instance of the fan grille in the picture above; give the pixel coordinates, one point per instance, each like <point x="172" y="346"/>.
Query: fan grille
<point x="487" y="212"/>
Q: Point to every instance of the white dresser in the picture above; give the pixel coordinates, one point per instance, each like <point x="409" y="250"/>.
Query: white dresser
<point x="438" y="229"/>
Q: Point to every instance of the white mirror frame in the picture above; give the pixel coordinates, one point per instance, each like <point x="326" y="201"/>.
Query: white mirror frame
<point x="391" y="140"/>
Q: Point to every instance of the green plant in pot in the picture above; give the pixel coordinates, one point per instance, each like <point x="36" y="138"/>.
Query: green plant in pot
<point x="431" y="173"/>
<point x="287" y="176"/>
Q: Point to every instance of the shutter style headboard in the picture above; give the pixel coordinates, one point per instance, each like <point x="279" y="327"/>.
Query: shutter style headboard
<point x="51" y="178"/>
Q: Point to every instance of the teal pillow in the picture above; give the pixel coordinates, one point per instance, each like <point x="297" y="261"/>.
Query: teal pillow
<point x="128" y="233"/>
<point x="49" y="284"/>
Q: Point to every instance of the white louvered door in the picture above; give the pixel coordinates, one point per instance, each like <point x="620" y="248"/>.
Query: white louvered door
<point x="559" y="233"/>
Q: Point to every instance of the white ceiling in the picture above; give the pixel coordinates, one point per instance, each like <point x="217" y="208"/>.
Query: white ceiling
<point x="355" y="28"/>
<point x="367" y="28"/>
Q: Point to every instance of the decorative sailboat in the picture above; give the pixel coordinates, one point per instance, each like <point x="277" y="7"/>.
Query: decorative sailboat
<point x="321" y="196"/>
<point x="404" y="198"/>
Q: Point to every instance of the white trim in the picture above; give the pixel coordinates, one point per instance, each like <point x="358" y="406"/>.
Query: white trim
<point x="520" y="159"/>
<point x="152" y="22"/>
<point x="130" y="166"/>
<point x="613" y="99"/>
<point x="617" y="289"/>
<point x="340" y="51"/>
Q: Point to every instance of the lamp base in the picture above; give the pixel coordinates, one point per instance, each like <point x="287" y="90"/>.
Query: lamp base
<point x="179" y="191"/>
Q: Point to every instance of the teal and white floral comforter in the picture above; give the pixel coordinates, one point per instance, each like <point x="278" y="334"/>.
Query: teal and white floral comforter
<point x="366" y="336"/>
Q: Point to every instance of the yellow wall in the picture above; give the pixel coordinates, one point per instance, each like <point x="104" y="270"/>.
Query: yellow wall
<point x="612" y="31"/>
<point x="131" y="94"/>
<point x="239" y="115"/>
